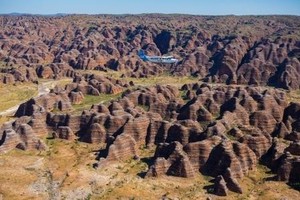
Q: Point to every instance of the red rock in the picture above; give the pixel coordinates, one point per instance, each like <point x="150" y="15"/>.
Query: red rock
<point x="9" y="140"/>
<point x="263" y="120"/>
<point x="231" y="183"/>
<point x="114" y="123"/>
<point x="64" y="132"/>
<point x="171" y="160"/>
<point x="137" y="128"/>
<point x="220" y="187"/>
<point x="96" y="134"/>
<point x="256" y="140"/>
<point x="76" y="97"/>
<point x="157" y="132"/>
<point x="199" y="152"/>
<point x="28" y="139"/>
<point x="123" y="148"/>
<point x="38" y="124"/>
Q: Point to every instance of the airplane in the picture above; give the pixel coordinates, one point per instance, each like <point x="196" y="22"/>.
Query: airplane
<point x="157" y="59"/>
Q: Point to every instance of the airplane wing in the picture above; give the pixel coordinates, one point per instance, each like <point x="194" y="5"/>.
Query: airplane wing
<point x="167" y="57"/>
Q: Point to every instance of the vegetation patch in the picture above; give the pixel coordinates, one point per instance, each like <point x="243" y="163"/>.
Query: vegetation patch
<point x="90" y="100"/>
<point x="12" y="95"/>
<point x="293" y="95"/>
<point x="162" y="79"/>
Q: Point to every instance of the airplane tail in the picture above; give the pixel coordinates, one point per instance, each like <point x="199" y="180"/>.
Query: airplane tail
<point x="142" y="55"/>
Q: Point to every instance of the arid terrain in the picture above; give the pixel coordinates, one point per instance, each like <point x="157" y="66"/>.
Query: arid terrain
<point x="83" y="117"/>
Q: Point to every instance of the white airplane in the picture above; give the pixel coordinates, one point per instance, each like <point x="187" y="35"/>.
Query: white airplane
<point x="157" y="59"/>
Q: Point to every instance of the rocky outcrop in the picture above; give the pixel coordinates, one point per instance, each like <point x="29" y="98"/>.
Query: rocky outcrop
<point x="231" y="182"/>
<point x="19" y="136"/>
<point x="220" y="187"/>
<point x="96" y="134"/>
<point x="95" y="85"/>
<point x="171" y="160"/>
<point x="64" y="132"/>
<point x="235" y="156"/>
<point x="48" y="102"/>
<point x="19" y="74"/>
<point x="137" y="128"/>
<point x="9" y="140"/>
<point x="123" y="148"/>
<point x="76" y="97"/>
<point x="38" y="124"/>
<point x="225" y="183"/>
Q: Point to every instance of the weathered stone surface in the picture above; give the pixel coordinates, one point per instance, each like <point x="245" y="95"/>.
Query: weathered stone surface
<point x="199" y="152"/>
<point x="23" y="138"/>
<point x="231" y="183"/>
<point x="258" y="142"/>
<point x="64" y="132"/>
<point x="294" y="148"/>
<point x="220" y="187"/>
<point x="114" y="124"/>
<point x="239" y="158"/>
<point x="28" y="138"/>
<point x="263" y="120"/>
<point x="157" y="132"/>
<point x="46" y="102"/>
<point x="285" y="167"/>
<point x="137" y="128"/>
<point x="9" y="140"/>
<point x="38" y="124"/>
<point x="171" y="160"/>
<point x="123" y="148"/>
<point x="74" y="122"/>
<point x="76" y="97"/>
<point x="95" y="134"/>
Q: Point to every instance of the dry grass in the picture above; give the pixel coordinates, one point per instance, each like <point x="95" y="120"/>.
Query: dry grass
<point x="65" y="171"/>
<point x="4" y="119"/>
<point x="12" y="95"/>
<point x="259" y="185"/>
<point x="41" y="175"/>
<point x="50" y="83"/>
<point x="90" y="100"/>
<point x="293" y="96"/>
<point x="163" y="79"/>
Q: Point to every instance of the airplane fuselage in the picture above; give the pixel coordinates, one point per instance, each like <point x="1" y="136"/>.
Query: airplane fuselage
<point x="157" y="59"/>
<point x="161" y="59"/>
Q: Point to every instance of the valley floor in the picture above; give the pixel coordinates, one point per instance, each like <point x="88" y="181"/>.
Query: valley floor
<point x="65" y="171"/>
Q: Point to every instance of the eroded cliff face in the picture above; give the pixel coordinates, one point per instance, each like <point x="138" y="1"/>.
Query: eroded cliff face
<point x="232" y="50"/>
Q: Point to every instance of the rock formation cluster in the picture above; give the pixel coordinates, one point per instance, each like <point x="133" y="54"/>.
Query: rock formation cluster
<point x="233" y="50"/>
<point x="220" y="131"/>
<point x="221" y="126"/>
